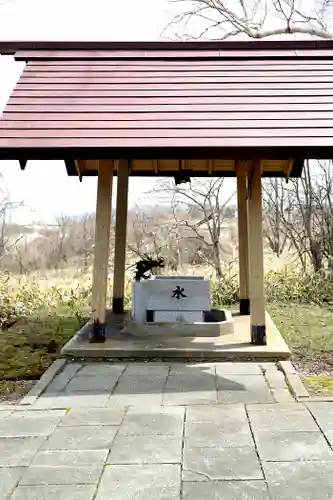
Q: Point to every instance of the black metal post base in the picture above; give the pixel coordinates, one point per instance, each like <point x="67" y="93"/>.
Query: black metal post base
<point x="258" y="334"/>
<point x="97" y="335"/>
<point x="117" y="305"/>
<point x="244" y="307"/>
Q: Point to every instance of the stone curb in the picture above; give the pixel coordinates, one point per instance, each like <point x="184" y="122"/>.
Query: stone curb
<point x="286" y="367"/>
<point x="293" y="380"/>
<point x="43" y="382"/>
<point x="320" y="399"/>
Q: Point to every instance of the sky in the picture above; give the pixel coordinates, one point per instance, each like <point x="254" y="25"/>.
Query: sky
<point x="44" y="187"/>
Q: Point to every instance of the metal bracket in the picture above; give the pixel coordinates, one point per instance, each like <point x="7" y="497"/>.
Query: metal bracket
<point x="23" y="164"/>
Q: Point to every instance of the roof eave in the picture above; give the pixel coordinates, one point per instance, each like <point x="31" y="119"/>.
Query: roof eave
<point x="9" y="47"/>
<point x="69" y="155"/>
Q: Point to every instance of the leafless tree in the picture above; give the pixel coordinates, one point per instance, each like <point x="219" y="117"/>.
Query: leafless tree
<point x="275" y="211"/>
<point x="300" y="215"/>
<point x="323" y="212"/>
<point x="88" y="224"/>
<point x="147" y="232"/>
<point x="256" y="19"/>
<point x="8" y="240"/>
<point x="199" y="211"/>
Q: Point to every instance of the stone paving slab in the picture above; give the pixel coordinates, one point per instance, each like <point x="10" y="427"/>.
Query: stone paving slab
<point x="19" y="452"/>
<point x="225" y="433"/>
<point x="283" y="396"/>
<point x="191" y="382"/>
<point x="244" y="389"/>
<point x="163" y="421"/>
<point x="152" y="369"/>
<point x="140" y="482"/>
<point x="323" y="413"/>
<point x="63" y="492"/>
<point x="292" y="446"/>
<point x="59" y="401"/>
<point x="70" y="458"/>
<point x="134" y="400"/>
<point x="37" y="414"/>
<point x="275" y="379"/>
<point x="25" y="427"/>
<point x="138" y="390"/>
<point x="329" y="437"/>
<point x="218" y="463"/>
<point x="41" y="475"/>
<point x="78" y="417"/>
<point x="184" y="398"/>
<point x="216" y="414"/>
<point x="102" y="369"/>
<point x="143" y="383"/>
<point x="146" y="448"/>
<point x="9" y="478"/>
<point x="192" y="369"/>
<point x="61" y="380"/>
<point x="223" y="369"/>
<point x="190" y="389"/>
<point x="298" y="419"/>
<point x="92" y="385"/>
<point x="300" y="480"/>
<point x="5" y="413"/>
<point x="81" y="438"/>
<point x="280" y="407"/>
<point x="226" y="490"/>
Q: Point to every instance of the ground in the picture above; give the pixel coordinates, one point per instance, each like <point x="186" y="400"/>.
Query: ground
<point x="29" y="347"/>
<point x="142" y="431"/>
<point x="308" y="331"/>
<point x="26" y="349"/>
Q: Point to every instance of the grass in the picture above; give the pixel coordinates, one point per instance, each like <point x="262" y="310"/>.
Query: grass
<point x="320" y="385"/>
<point x="32" y="344"/>
<point x="29" y="347"/>
<point x="308" y="331"/>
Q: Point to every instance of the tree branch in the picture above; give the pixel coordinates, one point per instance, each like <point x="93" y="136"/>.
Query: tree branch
<point x="230" y="18"/>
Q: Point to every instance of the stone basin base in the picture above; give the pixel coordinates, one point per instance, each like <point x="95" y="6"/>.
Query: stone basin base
<point x="231" y="347"/>
<point x="217" y="322"/>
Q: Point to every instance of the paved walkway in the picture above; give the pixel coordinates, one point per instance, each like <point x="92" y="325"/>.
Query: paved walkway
<point x="167" y="432"/>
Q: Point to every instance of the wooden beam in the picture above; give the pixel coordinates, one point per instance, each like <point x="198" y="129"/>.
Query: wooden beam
<point x="256" y="257"/>
<point x="155" y="166"/>
<point x="120" y="237"/>
<point x="242" y="168"/>
<point x="289" y="167"/>
<point x="79" y="168"/>
<point x="102" y="241"/>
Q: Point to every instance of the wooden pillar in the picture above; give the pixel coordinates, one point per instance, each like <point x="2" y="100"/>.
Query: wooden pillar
<point x="120" y="238"/>
<point x="243" y="238"/>
<point x="101" y="254"/>
<point x="256" y="256"/>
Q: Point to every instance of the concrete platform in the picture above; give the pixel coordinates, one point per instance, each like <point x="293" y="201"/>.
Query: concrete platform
<point x="233" y="346"/>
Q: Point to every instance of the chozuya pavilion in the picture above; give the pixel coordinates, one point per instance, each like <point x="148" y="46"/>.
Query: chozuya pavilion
<point x="205" y="109"/>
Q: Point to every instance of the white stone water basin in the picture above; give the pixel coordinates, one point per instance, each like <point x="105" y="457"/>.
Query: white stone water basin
<point x="181" y="294"/>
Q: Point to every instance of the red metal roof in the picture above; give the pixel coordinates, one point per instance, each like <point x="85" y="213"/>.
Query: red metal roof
<point x="273" y="100"/>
